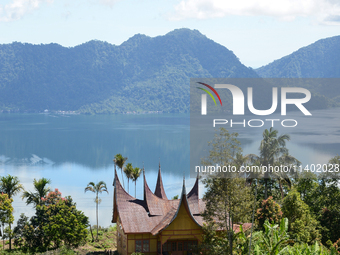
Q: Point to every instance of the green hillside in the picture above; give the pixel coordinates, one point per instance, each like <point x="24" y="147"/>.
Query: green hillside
<point x="141" y="74"/>
<point x="318" y="60"/>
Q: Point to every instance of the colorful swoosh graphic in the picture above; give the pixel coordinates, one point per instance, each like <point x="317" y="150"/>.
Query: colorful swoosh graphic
<point x="213" y="90"/>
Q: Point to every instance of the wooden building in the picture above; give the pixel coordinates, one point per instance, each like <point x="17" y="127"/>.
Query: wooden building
<point x="157" y="225"/>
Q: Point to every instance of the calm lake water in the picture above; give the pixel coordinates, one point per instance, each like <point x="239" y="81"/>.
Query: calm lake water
<point x="74" y="150"/>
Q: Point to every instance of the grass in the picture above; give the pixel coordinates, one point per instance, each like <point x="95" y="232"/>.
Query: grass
<point x="107" y="240"/>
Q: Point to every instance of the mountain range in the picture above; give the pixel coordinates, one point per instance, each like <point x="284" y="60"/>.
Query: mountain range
<point x="143" y="74"/>
<point x="318" y="60"/>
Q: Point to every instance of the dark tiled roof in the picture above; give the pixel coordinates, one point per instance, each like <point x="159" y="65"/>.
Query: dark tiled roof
<point x="133" y="213"/>
<point x="154" y="213"/>
<point x="165" y="221"/>
<point x="156" y="205"/>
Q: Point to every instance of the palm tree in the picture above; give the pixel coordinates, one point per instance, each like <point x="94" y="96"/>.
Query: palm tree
<point x="41" y="191"/>
<point x="11" y="186"/>
<point x="97" y="188"/>
<point x="128" y="169"/>
<point x="119" y="160"/>
<point x="271" y="148"/>
<point x="135" y="175"/>
<point x="285" y="177"/>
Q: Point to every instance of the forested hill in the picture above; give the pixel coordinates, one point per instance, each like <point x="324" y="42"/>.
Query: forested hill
<point x="141" y="74"/>
<point x="318" y="60"/>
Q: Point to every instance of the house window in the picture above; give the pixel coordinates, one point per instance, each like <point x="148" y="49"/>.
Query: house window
<point x="138" y="246"/>
<point x="167" y="246"/>
<point x="180" y="246"/>
<point x="146" y="246"/>
<point x="142" y="246"/>
<point x="174" y="246"/>
<point x="185" y="246"/>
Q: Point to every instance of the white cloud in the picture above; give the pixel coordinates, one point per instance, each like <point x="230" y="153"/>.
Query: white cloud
<point x="16" y="9"/>
<point x="108" y="2"/>
<point x="282" y="9"/>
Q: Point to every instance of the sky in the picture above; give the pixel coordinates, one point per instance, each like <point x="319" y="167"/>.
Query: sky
<point x="257" y="31"/>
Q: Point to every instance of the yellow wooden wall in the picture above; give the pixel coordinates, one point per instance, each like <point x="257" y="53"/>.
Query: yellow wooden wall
<point x="131" y="238"/>
<point x="183" y="227"/>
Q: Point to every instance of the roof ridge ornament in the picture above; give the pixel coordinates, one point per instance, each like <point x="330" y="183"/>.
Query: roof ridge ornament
<point x="159" y="190"/>
<point x="184" y="192"/>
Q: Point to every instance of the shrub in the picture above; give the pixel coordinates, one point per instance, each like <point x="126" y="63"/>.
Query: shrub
<point x="302" y="224"/>
<point x="271" y="211"/>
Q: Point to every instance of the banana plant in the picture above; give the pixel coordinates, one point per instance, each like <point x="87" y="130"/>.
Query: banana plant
<point x="274" y="240"/>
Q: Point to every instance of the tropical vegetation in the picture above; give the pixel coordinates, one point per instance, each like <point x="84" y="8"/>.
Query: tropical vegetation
<point x="300" y="215"/>
<point x="41" y="190"/>
<point x="119" y="161"/>
<point x="135" y="175"/>
<point x="97" y="188"/>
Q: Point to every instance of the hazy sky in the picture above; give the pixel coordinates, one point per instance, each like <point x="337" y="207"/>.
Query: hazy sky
<point x="257" y="31"/>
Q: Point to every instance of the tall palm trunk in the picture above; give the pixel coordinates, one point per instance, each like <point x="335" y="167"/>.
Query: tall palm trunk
<point x="266" y="177"/>
<point x="135" y="188"/>
<point x="265" y="188"/>
<point x="10" y="237"/>
<point x="121" y="170"/>
<point x="3" y="238"/>
<point x="281" y="189"/>
<point x="97" y="214"/>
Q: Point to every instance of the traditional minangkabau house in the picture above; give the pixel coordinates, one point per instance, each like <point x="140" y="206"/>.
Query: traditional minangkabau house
<point x="157" y="225"/>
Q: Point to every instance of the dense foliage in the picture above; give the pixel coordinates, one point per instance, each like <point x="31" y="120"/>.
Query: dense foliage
<point x="6" y="211"/>
<point x="302" y="218"/>
<point x="302" y="224"/>
<point x="56" y="222"/>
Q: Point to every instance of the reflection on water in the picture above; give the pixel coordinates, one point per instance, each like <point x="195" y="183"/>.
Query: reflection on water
<point x="92" y="141"/>
<point x="74" y="150"/>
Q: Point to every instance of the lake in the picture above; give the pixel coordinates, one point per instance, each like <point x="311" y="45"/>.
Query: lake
<point x="73" y="150"/>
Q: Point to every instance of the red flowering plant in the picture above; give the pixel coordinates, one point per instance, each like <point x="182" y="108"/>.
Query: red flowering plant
<point x="54" y="197"/>
<point x="269" y="210"/>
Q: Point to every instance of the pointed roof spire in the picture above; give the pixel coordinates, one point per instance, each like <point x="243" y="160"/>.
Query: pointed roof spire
<point x="193" y="197"/>
<point x="145" y="184"/>
<point x="184" y="192"/>
<point x="194" y="192"/>
<point x="155" y="205"/>
<point x="119" y="196"/>
<point x="171" y="216"/>
<point x="159" y="191"/>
